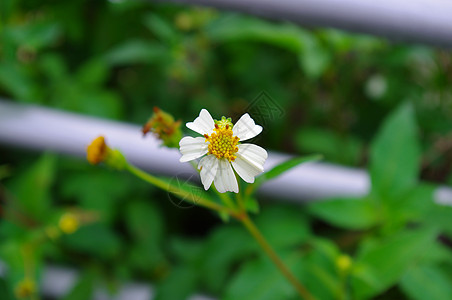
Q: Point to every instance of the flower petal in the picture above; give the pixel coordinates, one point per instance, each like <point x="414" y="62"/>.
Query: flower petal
<point x="245" y="128"/>
<point x="192" y="148"/>
<point x="203" y="124"/>
<point x="225" y="180"/>
<point x="209" y="167"/>
<point x="250" y="161"/>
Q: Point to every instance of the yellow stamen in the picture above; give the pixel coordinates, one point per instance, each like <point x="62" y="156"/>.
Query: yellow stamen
<point x="222" y="143"/>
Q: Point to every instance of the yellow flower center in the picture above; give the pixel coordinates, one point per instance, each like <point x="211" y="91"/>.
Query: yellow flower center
<point x="222" y="143"/>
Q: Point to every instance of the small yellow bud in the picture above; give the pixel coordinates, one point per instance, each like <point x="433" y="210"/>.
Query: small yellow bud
<point x="343" y="263"/>
<point x="25" y="288"/>
<point x="97" y="151"/>
<point x="69" y="223"/>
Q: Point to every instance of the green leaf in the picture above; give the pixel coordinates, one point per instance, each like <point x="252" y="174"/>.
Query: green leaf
<point x="415" y="205"/>
<point x="426" y="282"/>
<point x="15" y="79"/>
<point x="314" y="59"/>
<point x="317" y="269"/>
<point x="99" y="190"/>
<point x="233" y="28"/>
<point x="283" y="225"/>
<point x="280" y="169"/>
<point x="32" y="188"/>
<point x="347" y="213"/>
<point x="225" y="247"/>
<point x="5" y="291"/>
<point x="179" y="285"/>
<point x="92" y="73"/>
<point x="289" y="164"/>
<point x="440" y="216"/>
<point x="35" y="35"/>
<point x="96" y="239"/>
<point x="251" y="204"/>
<point x="83" y="289"/>
<point x="160" y="27"/>
<point x="381" y="263"/>
<point x="145" y="223"/>
<point x="343" y="149"/>
<point x="259" y="279"/>
<point x="134" y="52"/>
<point x="395" y="154"/>
<point x="187" y="250"/>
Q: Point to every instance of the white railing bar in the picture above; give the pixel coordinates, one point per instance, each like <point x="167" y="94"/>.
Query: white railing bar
<point x="424" y="21"/>
<point x="42" y="129"/>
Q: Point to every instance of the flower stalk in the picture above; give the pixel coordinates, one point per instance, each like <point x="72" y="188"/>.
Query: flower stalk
<point x="263" y="243"/>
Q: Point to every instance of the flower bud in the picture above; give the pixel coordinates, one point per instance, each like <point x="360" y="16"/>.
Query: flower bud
<point x="98" y="152"/>
<point x="164" y="127"/>
<point x="69" y="223"/>
<point x="343" y="263"/>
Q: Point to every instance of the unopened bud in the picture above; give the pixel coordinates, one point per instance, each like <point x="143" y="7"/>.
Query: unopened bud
<point x="69" y="223"/>
<point x="343" y="263"/>
<point x="164" y="126"/>
<point x="98" y="152"/>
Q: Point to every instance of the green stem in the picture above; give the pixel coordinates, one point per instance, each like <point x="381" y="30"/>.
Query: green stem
<point x="251" y="227"/>
<point x="178" y="191"/>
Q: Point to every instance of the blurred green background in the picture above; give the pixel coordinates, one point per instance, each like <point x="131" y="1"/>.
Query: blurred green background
<point x="360" y="101"/>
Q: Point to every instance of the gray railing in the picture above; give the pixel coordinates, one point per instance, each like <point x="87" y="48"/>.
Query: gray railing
<point x="419" y="21"/>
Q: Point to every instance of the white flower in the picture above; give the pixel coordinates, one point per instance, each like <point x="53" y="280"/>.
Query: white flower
<point x="222" y="148"/>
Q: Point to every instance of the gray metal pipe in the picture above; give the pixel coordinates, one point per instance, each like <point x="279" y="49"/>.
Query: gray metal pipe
<point x="43" y="129"/>
<point x="424" y="21"/>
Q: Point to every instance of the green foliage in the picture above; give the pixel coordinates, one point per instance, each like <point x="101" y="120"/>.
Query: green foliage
<point x="258" y="280"/>
<point x="381" y="263"/>
<point x="31" y="190"/>
<point x="341" y="149"/>
<point x="395" y="155"/>
<point x="83" y="289"/>
<point x="100" y="191"/>
<point x="5" y="292"/>
<point x="426" y="282"/>
<point x="87" y="239"/>
<point x="145" y="223"/>
<point x="348" y="213"/>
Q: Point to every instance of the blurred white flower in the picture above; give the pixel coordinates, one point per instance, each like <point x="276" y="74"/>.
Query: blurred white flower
<point x="222" y="148"/>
